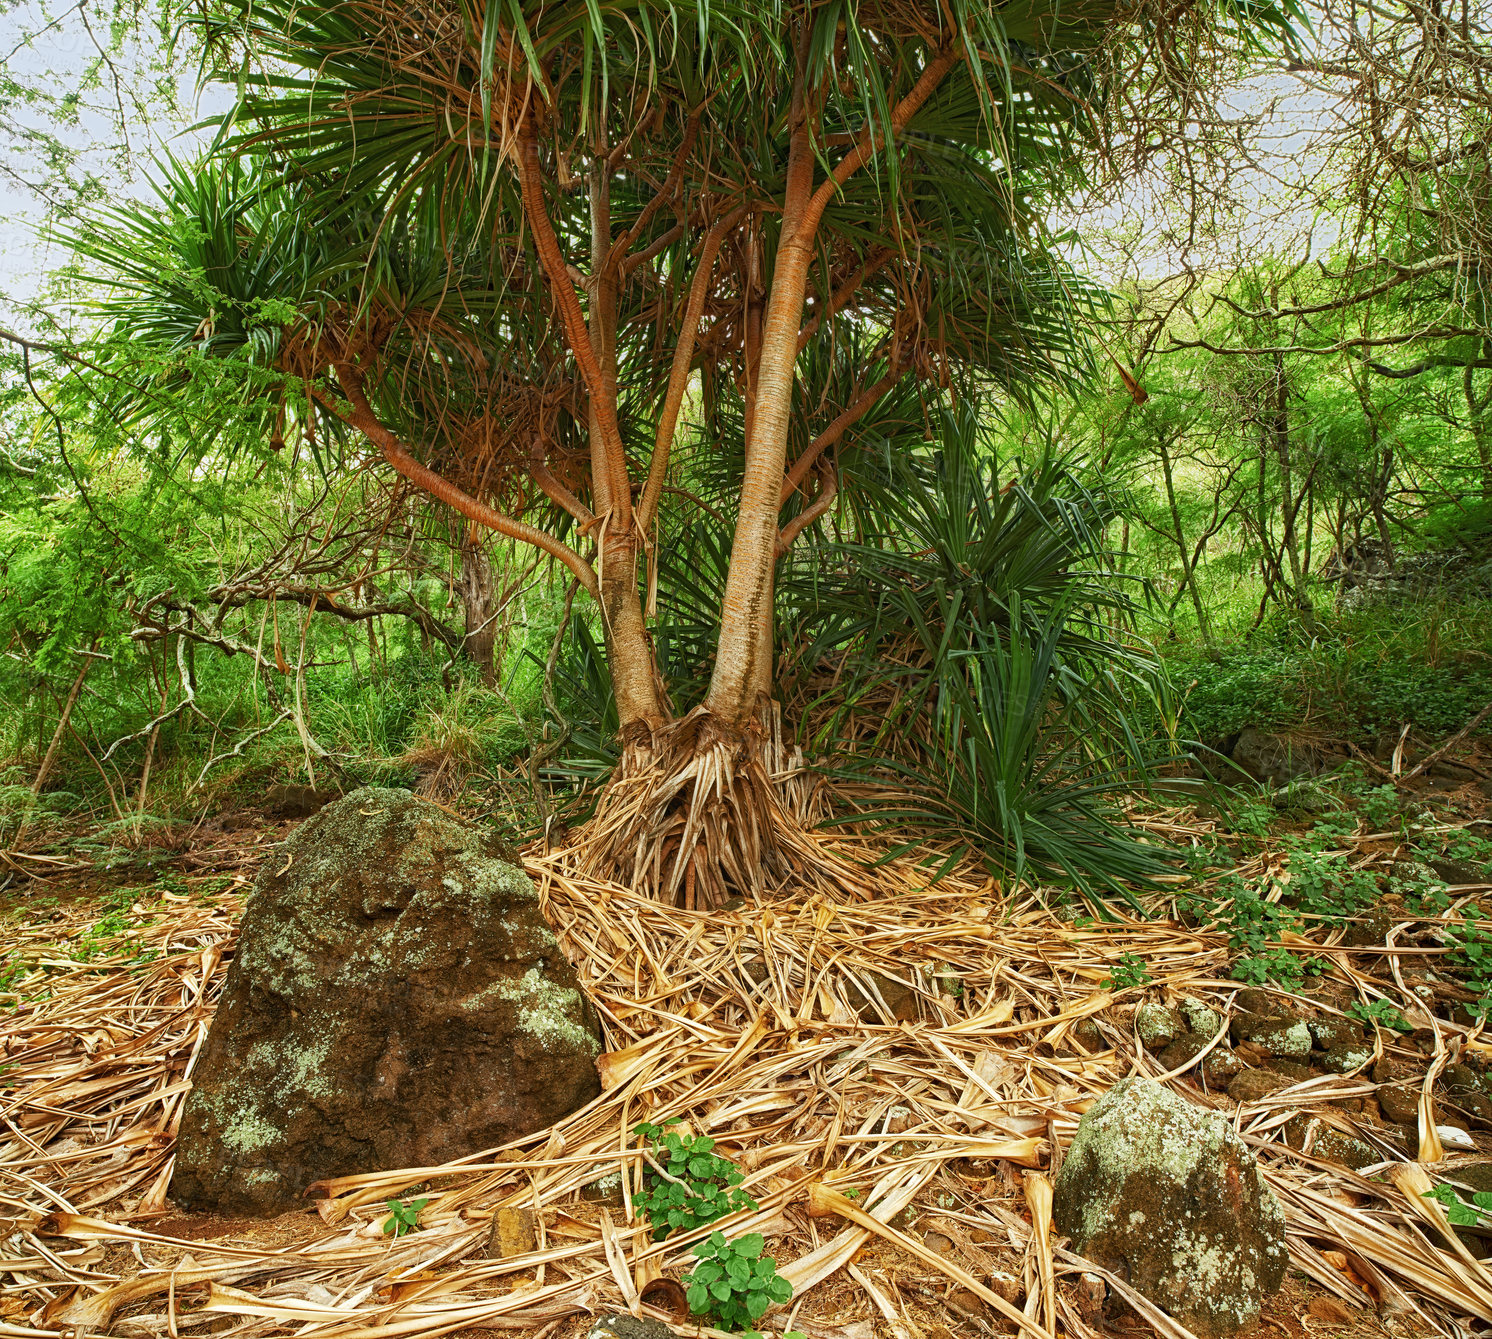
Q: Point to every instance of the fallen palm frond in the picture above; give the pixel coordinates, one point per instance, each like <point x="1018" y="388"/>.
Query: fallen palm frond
<point x="879" y="1067"/>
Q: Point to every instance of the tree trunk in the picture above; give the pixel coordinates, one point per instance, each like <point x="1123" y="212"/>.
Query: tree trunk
<point x="1188" y="568"/>
<point x="629" y="650"/>
<point x="475" y="587"/>
<point x="743" y="668"/>
<point x="44" y="772"/>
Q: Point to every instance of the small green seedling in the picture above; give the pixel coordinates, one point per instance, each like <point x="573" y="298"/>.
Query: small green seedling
<point x="1381" y="1013"/>
<point x="403" y="1217"/>
<point x="688" y="1184"/>
<point x="1457" y="1211"/>
<point x="734" y="1281"/>
<point x="1130" y="971"/>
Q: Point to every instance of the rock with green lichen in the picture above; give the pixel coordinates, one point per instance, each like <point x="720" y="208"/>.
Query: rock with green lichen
<point x="1285" y="1037"/>
<point x="1158" y="1026"/>
<point x="1166" y="1195"/>
<point x="396" y="1001"/>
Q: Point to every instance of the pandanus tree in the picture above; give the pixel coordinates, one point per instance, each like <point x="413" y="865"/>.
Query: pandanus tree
<point x="511" y="247"/>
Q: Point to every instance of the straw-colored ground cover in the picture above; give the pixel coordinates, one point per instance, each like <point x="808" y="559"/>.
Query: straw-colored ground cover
<point x="902" y="1166"/>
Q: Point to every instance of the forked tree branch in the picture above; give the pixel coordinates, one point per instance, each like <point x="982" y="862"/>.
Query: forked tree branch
<point x="841" y="296"/>
<point x="552" y="488"/>
<point x="362" y="417"/>
<point x="683" y="363"/>
<point x="616" y="486"/>
<point x="870" y="143"/>
<point x="625" y="242"/>
<point x="828" y="491"/>
<point x="847" y="418"/>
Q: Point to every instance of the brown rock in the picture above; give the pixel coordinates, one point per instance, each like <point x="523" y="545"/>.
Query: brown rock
<point x="1370" y="929"/>
<point x="1386" y="1070"/>
<point x="1255" y="1000"/>
<point x="1220" y="1066"/>
<point x="1088" y="1035"/>
<point x="396" y="1001"/>
<point x="1346" y="1058"/>
<point x="1475" y="1104"/>
<point x="1461" y="1078"/>
<point x="1312" y="1135"/>
<point x="1295" y="1072"/>
<point x="1181" y="1052"/>
<point x="1285" y="1037"/>
<point x="1332" y="1032"/>
<point x="896" y="999"/>
<point x="1166" y="1195"/>
<point x="1477" y="1175"/>
<point x="1254" y="1085"/>
<point x="1400" y="1105"/>
<point x="512" y="1233"/>
<point x="969" y="1303"/>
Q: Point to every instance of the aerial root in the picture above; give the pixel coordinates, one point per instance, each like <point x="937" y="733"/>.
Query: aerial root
<point x="697" y="814"/>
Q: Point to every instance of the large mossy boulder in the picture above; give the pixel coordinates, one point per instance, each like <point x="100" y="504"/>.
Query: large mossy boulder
<point x="396" y="1001"/>
<point x="1167" y="1196"/>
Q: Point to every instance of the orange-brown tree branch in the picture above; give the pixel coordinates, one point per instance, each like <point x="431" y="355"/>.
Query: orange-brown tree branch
<point x="847" y="418"/>
<point x="871" y="142"/>
<point x="552" y="488"/>
<point x="828" y="491"/>
<point x="841" y="296"/>
<point x="743" y="671"/>
<point x="683" y="362"/>
<point x="614" y="484"/>
<point x="625" y="242"/>
<point x="360" y="415"/>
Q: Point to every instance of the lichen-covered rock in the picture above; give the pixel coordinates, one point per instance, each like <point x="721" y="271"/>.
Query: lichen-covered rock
<point x="1399" y="1105"/>
<point x="1158" y="1026"/>
<point x="1181" y="1052"/>
<point x="1291" y="1069"/>
<point x="1330" y="1032"/>
<point x="1310" y="1134"/>
<point x="1287" y="1038"/>
<point x="1347" y="1058"/>
<point x="620" y="1325"/>
<point x="1221" y="1067"/>
<point x="396" y="1001"/>
<point x="1201" y="1018"/>
<point x="1166" y="1195"/>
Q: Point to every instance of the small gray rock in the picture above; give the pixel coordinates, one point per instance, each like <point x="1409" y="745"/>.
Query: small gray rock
<point x="1285" y="1038"/>
<point x="1399" y="1105"/>
<point x="1220" y="1067"/>
<point x="1345" y="1058"/>
<point x="1181" y="1052"/>
<point x="620" y="1325"/>
<point x="1201" y="1017"/>
<point x="1253" y="1085"/>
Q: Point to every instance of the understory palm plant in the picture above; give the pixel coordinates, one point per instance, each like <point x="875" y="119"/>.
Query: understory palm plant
<point x="970" y="655"/>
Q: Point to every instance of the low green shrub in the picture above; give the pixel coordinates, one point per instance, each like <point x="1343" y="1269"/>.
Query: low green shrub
<point x="734" y="1282"/>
